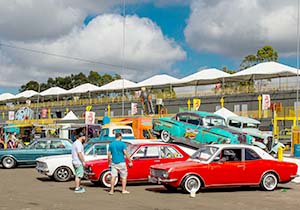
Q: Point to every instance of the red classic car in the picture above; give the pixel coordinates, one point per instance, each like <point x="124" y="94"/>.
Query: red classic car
<point x="224" y="165"/>
<point x="143" y="155"/>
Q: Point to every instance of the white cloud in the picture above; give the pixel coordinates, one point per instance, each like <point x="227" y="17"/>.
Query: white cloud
<point x="101" y="40"/>
<point x="241" y="27"/>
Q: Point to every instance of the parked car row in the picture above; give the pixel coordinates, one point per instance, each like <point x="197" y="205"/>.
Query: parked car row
<point x="168" y="164"/>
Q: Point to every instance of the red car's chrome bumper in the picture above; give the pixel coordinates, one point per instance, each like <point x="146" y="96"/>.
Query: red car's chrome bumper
<point x="158" y="180"/>
<point x="294" y="176"/>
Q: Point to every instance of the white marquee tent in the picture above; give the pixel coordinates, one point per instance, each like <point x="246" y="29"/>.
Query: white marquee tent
<point x="162" y="80"/>
<point x="84" y="88"/>
<point x="267" y="70"/>
<point x="6" y="96"/>
<point x="118" y="85"/>
<point x="204" y="77"/>
<point x="54" y="91"/>
<point x="26" y="94"/>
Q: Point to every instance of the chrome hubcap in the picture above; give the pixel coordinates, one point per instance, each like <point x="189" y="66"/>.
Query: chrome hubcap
<point x="8" y="162"/>
<point x="270" y="182"/>
<point x="63" y="173"/>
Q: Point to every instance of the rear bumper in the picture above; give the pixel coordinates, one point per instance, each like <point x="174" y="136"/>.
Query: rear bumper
<point x="294" y="176"/>
<point x="158" y="180"/>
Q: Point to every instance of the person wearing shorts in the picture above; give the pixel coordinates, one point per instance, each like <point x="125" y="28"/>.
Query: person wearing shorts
<point x="78" y="161"/>
<point x="116" y="160"/>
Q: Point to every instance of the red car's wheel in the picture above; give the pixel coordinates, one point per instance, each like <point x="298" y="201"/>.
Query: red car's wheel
<point x="191" y="183"/>
<point x="269" y="182"/>
<point x="105" y="179"/>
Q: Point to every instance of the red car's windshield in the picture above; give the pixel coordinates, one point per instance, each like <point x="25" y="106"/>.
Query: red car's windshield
<point x="204" y="153"/>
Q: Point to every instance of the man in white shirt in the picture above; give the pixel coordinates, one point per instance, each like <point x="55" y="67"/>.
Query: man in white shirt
<point x="78" y="161"/>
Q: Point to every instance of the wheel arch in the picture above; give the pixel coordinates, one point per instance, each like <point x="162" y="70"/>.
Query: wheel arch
<point x="270" y="171"/>
<point x="13" y="157"/>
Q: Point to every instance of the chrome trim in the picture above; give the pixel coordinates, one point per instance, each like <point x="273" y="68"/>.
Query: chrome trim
<point x="89" y="173"/>
<point x="159" y="180"/>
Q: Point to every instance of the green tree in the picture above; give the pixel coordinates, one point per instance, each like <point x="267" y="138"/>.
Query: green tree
<point x="266" y="53"/>
<point x="31" y="85"/>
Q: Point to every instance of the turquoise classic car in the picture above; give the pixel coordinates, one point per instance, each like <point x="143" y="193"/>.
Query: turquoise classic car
<point x="195" y="127"/>
<point x="11" y="158"/>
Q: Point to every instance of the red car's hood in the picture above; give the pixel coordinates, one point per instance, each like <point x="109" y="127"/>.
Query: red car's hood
<point x="180" y="164"/>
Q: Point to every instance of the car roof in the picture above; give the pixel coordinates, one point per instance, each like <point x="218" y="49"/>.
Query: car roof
<point x="261" y="152"/>
<point x="145" y="142"/>
<point x="202" y="114"/>
<point x="243" y="119"/>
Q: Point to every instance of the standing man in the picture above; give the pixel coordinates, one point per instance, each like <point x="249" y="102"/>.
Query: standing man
<point x="116" y="160"/>
<point x="78" y="161"/>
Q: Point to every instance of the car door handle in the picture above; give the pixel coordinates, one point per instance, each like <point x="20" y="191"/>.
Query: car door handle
<point x="156" y="161"/>
<point x="241" y="166"/>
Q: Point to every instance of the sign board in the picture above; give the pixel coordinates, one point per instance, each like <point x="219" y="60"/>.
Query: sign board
<point x="266" y="101"/>
<point x="134" y="108"/>
<point x="90" y="118"/>
<point x="44" y="113"/>
<point x="11" y="115"/>
<point x="196" y="104"/>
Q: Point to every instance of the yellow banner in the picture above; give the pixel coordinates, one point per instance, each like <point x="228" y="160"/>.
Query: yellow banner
<point x="196" y="104"/>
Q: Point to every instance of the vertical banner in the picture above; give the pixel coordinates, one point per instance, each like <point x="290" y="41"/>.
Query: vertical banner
<point x="44" y="113"/>
<point x="11" y="115"/>
<point x="134" y="108"/>
<point x="90" y="118"/>
<point x="196" y="104"/>
<point x="266" y="101"/>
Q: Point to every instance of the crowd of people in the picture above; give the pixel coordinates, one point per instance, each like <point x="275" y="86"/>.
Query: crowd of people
<point x="12" y="142"/>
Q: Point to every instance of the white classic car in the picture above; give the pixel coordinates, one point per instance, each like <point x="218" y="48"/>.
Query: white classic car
<point x="60" y="166"/>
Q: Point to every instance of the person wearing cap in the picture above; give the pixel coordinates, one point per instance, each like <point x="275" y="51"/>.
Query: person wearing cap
<point x="116" y="160"/>
<point x="78" y="161"/>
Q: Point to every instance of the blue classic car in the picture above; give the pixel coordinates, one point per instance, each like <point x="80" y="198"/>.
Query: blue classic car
<point x="11" y="158"/>
<point x="194" y="128"/>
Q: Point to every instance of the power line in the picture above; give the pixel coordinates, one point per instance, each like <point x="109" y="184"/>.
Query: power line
<point x="66" y="57"/>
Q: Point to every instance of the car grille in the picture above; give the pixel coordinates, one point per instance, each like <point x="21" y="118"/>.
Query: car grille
<point x="156" y="172"/>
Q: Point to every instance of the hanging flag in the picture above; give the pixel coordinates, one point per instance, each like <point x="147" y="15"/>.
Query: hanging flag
<point x="134" y="108"/>
<point x="266" y="101"/>
<point x="90" y="118"/>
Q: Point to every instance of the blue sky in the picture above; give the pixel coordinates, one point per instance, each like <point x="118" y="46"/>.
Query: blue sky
<point x="176" y="37"/>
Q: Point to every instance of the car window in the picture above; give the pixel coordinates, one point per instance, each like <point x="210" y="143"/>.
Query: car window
<point x="194" y="120"/>
<point x="234" y="123"/>
<point x="57" y="144"/>
<point x="147" y="152"/>
<point x="122" y="130"/>
<point x="251" y="155"/>
<point x="230" y="155"/>
<point x="181" y="117"/>
<point x="104" y="132"/>
<point x="40" y="145"/>
<point x="99" y="149"/>
<point x="211" y="121"/>
<point x="169" y="152"/>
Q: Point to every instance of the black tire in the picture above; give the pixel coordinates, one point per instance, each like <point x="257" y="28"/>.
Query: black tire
<point x="62" y="174"/>
<point x="191" y="183"/>
<point x="170" y="188"/>
<point x="8" y="162"/>
<point x="165" y="136"/>
<point x="105" y="179"/>
<point x="269" y="182"/>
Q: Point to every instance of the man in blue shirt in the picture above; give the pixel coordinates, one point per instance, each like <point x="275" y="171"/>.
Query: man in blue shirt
<point x="116" y="160"/>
